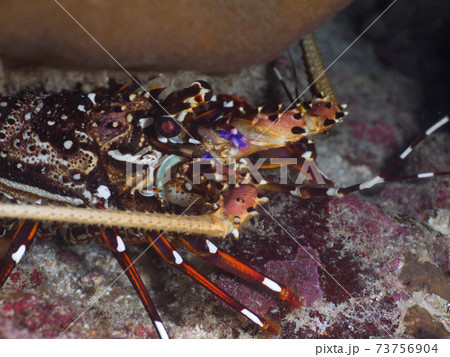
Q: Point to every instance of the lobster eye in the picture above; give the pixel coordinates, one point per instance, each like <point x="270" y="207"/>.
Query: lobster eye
<point x="167" y="127"/>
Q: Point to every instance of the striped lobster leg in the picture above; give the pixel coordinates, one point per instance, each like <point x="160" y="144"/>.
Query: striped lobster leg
<point x="21" y="240"/>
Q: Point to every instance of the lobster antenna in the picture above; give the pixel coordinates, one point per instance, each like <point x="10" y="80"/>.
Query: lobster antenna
<point x="381" y="178"/>
<point x="283" y="83"/>
<point x="294" y="74"/>
<point x="321" y="86"/>
<point x="208" y="224"/>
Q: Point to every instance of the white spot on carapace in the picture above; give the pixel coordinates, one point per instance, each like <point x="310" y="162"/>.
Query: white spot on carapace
<point x="27" y="116"/>
<point x="76" y="177"/>
<point x="178" y="259"/>
<point x="103" y="192"/>
<point x="19" y="254"/>
<point x="87" y="194"/>
<point x="19" y="166"/>
<point x="115" y="124"/>
<point x="120" y="244"/>
<point x="50" y="123"/>
<point x="235" y="232"/>
<point x="194" y="141"/>
<point x="145" y="122"/>
<point x="129" y="118"/>
<point x="64" y="117"/>
<point x="68" y="144"/>
<point x="228" y="104"/>
<point x="271" y="285"/>
<point x="81" y="108"/>
<point x="162" y="139"/>
<point x="132" y="97"/>
<point x="161" y="330"/>
<point x="188" y="186"/>
<point x="91" y="96"/>
<point x="211" y="247"/>
<point x="180" y="117"/>
<point x="3" y="104"/>
<point x="252" y="317"/>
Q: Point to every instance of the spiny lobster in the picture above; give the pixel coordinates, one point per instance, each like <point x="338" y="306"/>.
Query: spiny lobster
<point x="87" y="141"/>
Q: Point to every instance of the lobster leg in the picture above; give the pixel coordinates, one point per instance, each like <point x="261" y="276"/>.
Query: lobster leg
<point x="302" y="152"/>
<point x="210" y="253"/>
<point x="115" y="243"/>
<point x="23" y="236"/>
<point x="169" y="254"/>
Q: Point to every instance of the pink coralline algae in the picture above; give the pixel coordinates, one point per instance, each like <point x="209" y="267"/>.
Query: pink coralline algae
<point x="300" y="274"/>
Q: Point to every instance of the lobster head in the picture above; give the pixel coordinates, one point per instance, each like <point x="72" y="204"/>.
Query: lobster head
<point x="245" y="130"/>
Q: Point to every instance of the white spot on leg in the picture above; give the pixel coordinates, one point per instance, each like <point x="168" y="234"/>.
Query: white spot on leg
<point x="271" y="285"/>
<point x="406" y="152"/>
<point x="368" y="184"/>
<point x="425" y="174"/>
<point x="120" y="244"/>
<point x="161" y="329"/>
<point x="252" y="317"/>
<point x="436" y="126"/>
<point x="19" y="254"/>
<point x="334" y="192"/>
<point x="178" y="259"/>
<point x="81" y="108"/>
<point x="211" y="247"/>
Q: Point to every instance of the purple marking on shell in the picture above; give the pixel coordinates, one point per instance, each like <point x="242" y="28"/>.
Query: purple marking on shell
<point x="207" y="156"/>
<point x="235" y="137"/>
